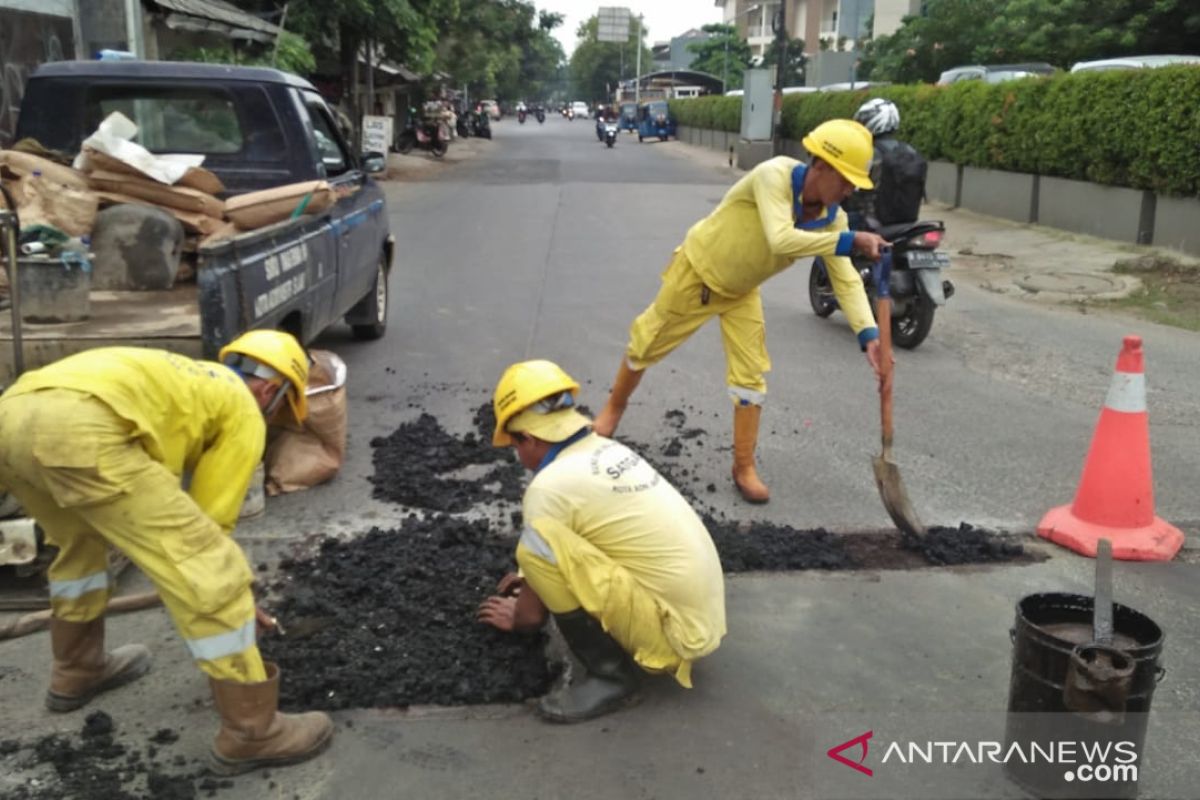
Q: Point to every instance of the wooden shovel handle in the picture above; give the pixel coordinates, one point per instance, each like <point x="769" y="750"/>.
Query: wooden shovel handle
<point x="40" y="620"/>
<point x="883" y="318"/>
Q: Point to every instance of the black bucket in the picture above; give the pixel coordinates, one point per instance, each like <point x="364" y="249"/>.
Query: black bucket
<point x="1049" y="628"/>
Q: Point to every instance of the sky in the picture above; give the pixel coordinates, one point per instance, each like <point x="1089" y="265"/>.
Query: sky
<point x="662" y="18"/>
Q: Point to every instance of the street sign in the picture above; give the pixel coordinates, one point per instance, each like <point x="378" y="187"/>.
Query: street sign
<point x="613" y="24"/>
<point x="377" y="134"/>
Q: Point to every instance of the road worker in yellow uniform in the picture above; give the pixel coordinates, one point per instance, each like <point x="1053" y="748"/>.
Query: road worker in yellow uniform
<point x="609" y="548"/>
<point x="95" y="447"/>
<point x="779" y="211"/>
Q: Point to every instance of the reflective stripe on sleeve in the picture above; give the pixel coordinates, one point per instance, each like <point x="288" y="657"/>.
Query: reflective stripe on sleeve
<point x="74" y="589"/>
<point x="210" y="648"/>
<point x="1127" y="393"/>
<point x="534" y="543"/>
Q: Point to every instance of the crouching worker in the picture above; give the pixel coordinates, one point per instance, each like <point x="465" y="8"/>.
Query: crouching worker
<point x="609" y="548"/>
<point x="94" y="446"/>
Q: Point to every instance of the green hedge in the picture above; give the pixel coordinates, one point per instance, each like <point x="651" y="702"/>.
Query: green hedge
<point x="1136" y="128"/>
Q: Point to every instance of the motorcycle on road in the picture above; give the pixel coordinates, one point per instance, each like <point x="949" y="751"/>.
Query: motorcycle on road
<point x="916" y="284"/>
<point x="610" y="132"/>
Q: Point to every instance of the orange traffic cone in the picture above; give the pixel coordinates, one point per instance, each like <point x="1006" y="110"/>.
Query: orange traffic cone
<point x="1115" y="499"/>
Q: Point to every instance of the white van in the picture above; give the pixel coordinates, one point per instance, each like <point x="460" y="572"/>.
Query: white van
<point x="1133" y="62"/>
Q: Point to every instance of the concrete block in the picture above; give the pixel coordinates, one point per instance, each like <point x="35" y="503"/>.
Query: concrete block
<point x="752" y="153"/>
<point x="941" y="183"/>
<point x="1111" y="212"/>
<point x="794" y="149"/>
<point x="1008" y="195"/>
<point x="1177" y="223"/>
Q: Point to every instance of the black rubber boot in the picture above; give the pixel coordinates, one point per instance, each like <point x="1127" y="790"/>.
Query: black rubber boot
<point x="610" y="680"/>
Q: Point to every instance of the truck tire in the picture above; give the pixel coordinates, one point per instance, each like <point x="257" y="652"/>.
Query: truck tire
<point x="377" y="301"/>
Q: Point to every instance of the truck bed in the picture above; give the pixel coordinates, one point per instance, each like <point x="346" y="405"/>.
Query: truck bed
<point x="168" y="319"/>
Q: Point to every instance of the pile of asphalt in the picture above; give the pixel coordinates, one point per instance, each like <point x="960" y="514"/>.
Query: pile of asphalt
<point x="100" y="764"/>
<point x="388" y="620"/>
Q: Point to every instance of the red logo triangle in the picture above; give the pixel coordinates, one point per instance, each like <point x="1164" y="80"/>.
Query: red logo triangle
<point x="835" y="752"/>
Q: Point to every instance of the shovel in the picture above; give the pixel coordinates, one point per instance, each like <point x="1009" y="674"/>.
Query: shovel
<point x="887" y="474"/>
<point x="1099" y="674"/>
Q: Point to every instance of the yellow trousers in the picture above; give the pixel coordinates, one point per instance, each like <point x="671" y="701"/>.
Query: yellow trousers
<point x="81" y="472"/>
<point x="682" y="305"/>
<point x="568" y="572"/>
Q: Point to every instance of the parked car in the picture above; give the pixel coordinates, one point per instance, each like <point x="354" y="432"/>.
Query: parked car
<point x="1133" y="62"/>
<point x="257" y="129"/>
<point x="994" y="73"/>
<point x="492" y="108"/>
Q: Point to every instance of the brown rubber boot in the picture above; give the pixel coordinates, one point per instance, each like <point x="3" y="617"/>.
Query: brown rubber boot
<point x="82" y="669"/>
<point x="254" y="734"/>
<point x="745" y="438"/>
<point x="610" y="416"/>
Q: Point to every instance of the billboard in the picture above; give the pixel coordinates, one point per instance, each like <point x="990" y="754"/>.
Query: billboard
<point x="613" y="24"/>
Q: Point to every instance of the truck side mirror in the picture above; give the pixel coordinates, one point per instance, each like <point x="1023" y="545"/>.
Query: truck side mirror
<point x="374" y="163"/>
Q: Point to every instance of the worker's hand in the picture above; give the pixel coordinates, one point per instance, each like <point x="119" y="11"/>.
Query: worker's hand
<point x="510" y="584"/>
<point x="875" y="359"/>
<point x="869" y="244"/>
<point x="264" y="620"/>
<point x="499" y="612"/>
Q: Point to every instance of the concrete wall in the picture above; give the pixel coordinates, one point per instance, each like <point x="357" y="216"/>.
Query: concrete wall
<point x="942" y="182"/>
<point x="1008" y="195"/>
<point x="1112" y="212"/>
<point x="1177" y="223"/>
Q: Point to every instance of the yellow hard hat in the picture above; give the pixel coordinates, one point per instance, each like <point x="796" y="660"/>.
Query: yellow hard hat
<point x="546" y="393"/>
<point x="846" y="146"/>
<point x="281" y="354"/>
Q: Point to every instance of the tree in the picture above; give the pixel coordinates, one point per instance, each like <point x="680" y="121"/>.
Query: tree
<point x="502" y="47"/>
<point x="597" y="67"/>
<point x="952" y="33"/>
<point x="947" y="35"/>
<point x="724" y="54"/>
<point x="793" y="69"/>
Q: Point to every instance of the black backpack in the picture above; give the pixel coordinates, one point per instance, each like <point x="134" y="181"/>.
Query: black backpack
<point x="901" y="185"/>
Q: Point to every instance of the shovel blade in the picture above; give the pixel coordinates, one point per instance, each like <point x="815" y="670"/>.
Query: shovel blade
<point x="895" y="498"/>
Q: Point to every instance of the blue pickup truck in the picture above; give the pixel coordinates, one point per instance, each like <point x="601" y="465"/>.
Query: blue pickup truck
<point x="256" y="128"/>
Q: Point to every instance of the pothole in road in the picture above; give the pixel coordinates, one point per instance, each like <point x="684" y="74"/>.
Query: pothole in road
<point x="388" y="619"/>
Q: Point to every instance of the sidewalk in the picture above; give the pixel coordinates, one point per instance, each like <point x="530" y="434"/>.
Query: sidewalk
<point x="1031" y="262"/>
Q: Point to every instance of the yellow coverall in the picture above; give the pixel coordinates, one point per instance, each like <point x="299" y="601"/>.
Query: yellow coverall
<point x="725" y="257"/>
<point x="95" y="446"/>
<point x="605" y="532"/>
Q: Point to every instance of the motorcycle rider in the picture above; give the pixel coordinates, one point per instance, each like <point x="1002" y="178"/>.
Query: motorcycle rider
<point x="897" y="170"/>
<point x="781" y="210"/>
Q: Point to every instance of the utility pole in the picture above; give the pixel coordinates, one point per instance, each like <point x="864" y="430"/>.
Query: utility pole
<point x="780" y="26"/>
<point x="637" y="78"/>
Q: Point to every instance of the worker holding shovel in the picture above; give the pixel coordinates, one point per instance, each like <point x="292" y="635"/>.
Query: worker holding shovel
<point x="779" y="211"/>
<point x="609" y="548"/>
<point x="95" y="446"/>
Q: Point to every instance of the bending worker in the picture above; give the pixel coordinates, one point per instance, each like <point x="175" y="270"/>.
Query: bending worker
<point x="609" y="548"/>
<point x="94" y="447"/>
<point x="779" y="211"/>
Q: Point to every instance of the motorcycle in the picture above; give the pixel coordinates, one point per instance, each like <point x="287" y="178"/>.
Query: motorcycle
<point x="431" y="135"/>
<point x="610" y="132"/>
<point x="521" y="116"/>
<point x="481" y="125"/>
<point x="541" y="116"/>
<point x="464" y="125"/>
<point x="916" y="285"/>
